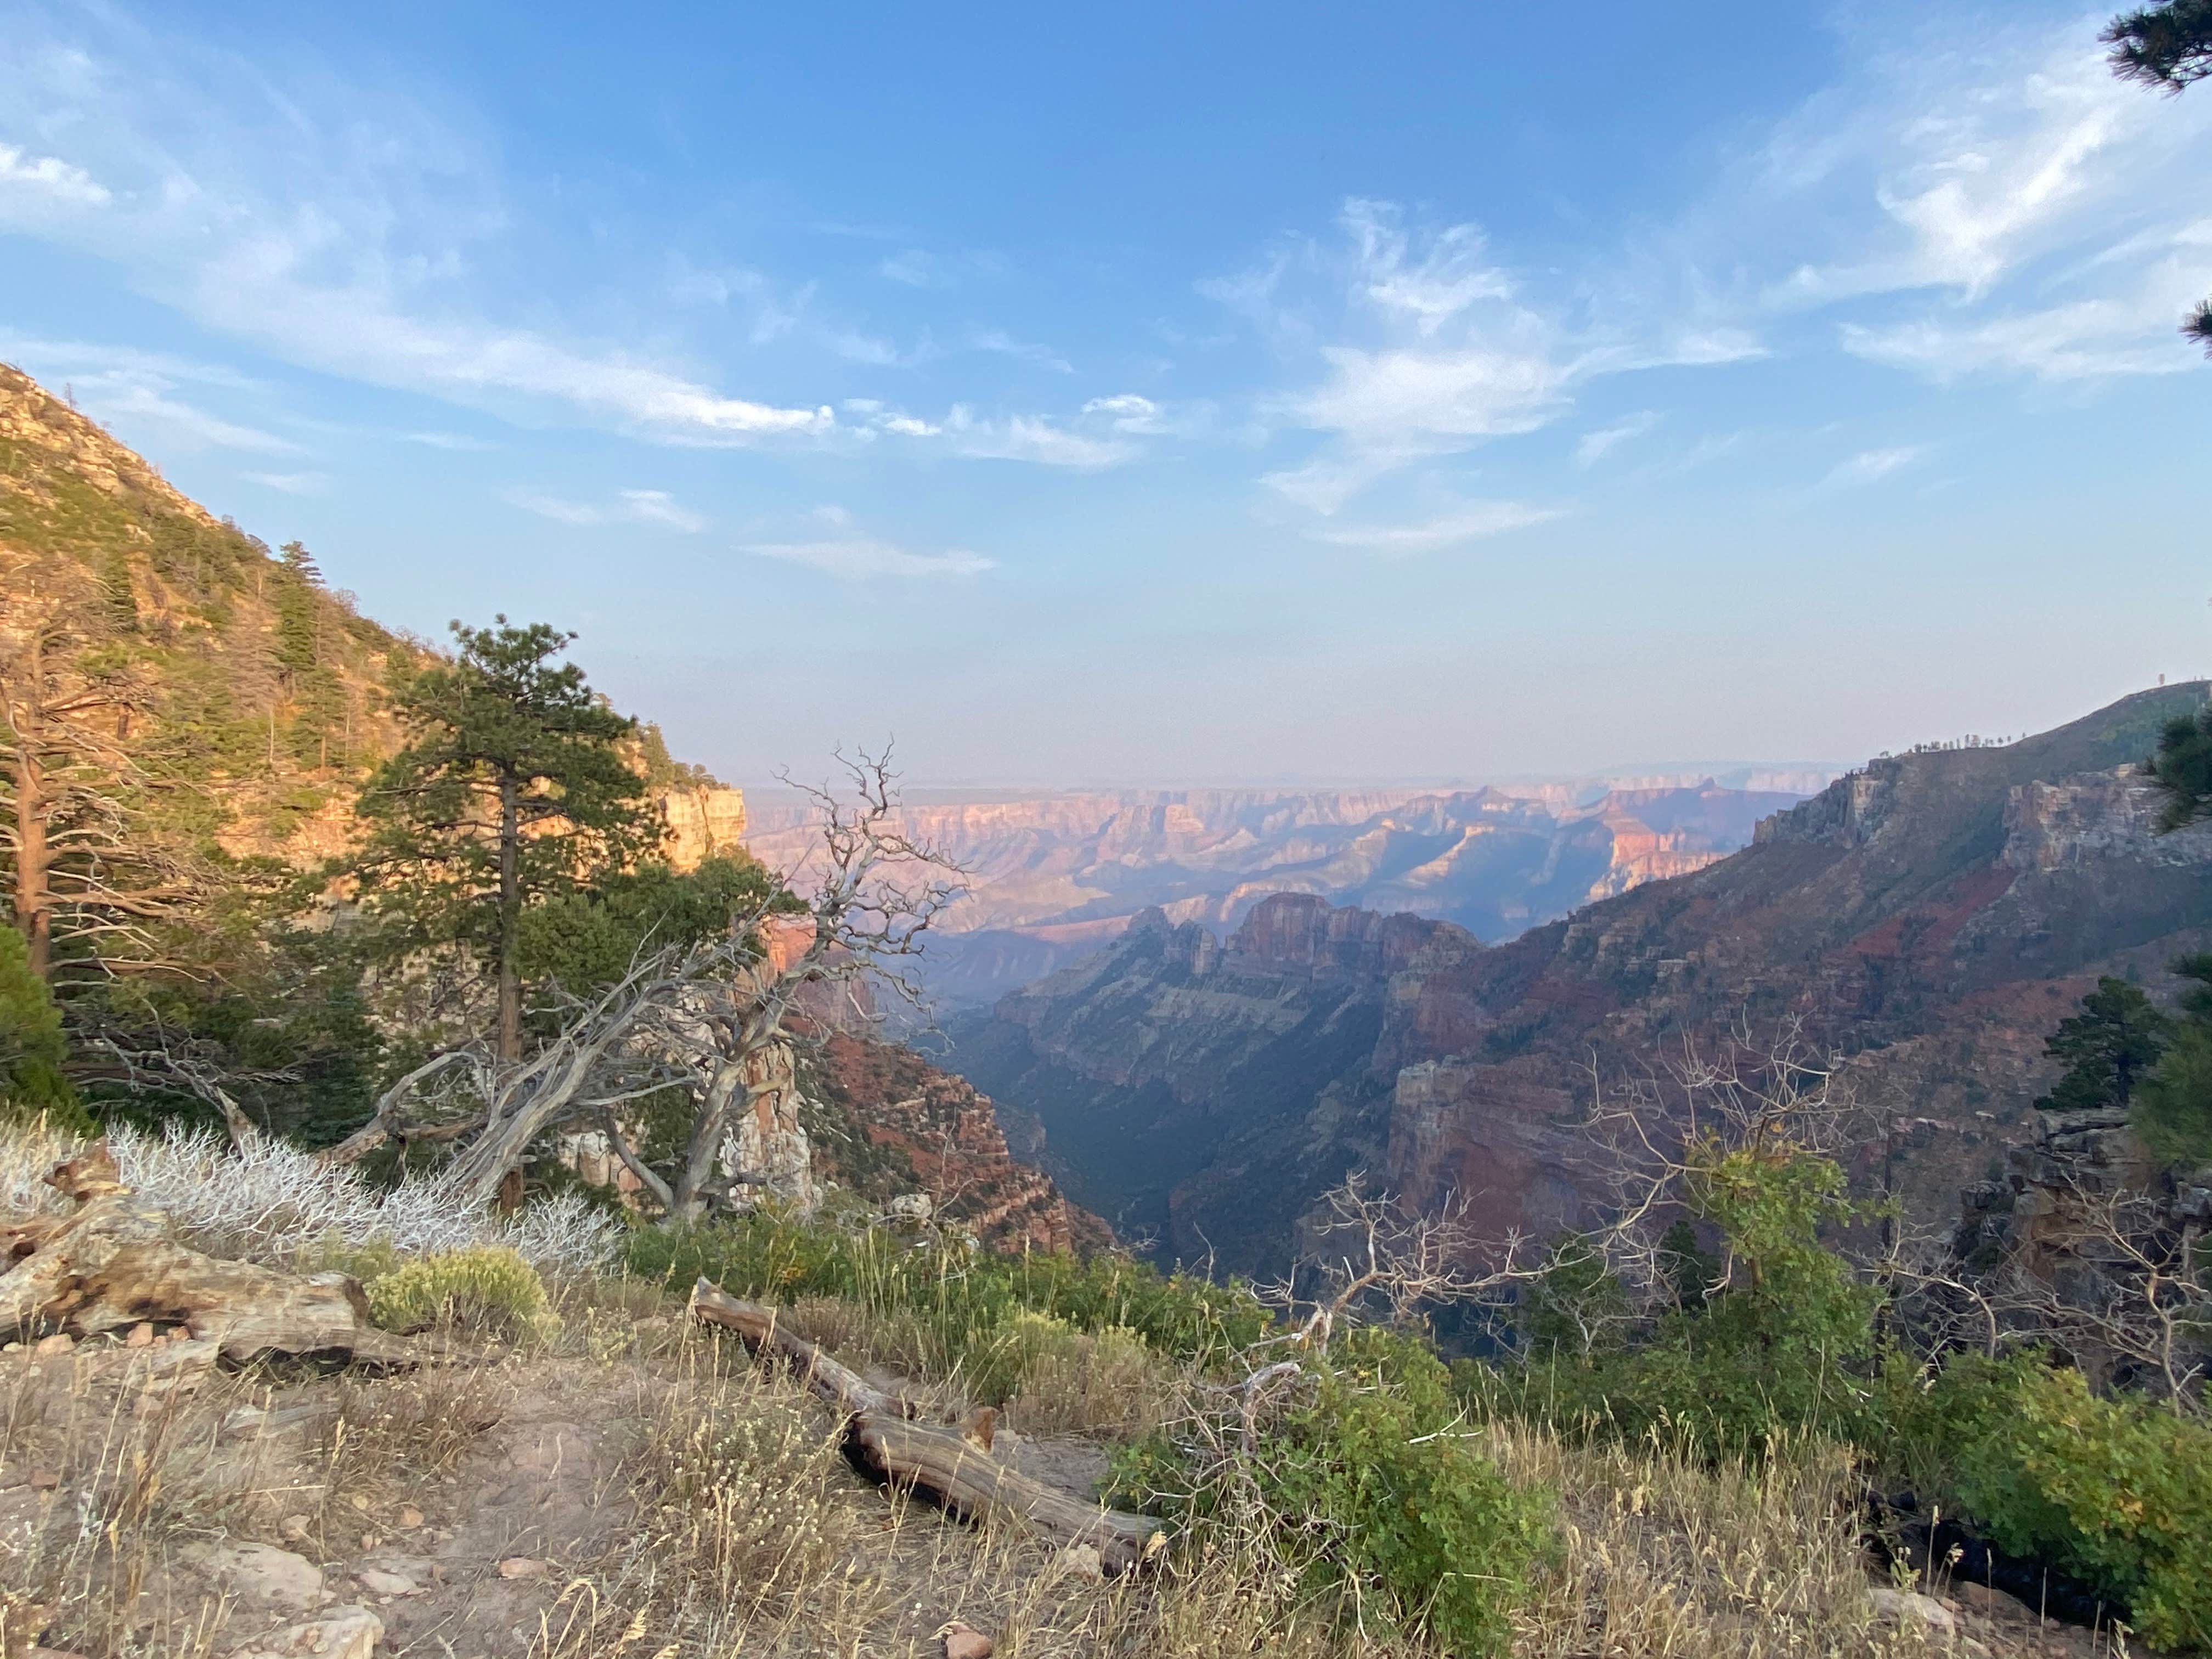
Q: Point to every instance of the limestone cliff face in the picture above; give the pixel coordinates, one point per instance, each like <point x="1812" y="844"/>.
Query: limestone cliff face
<point x="703" y="822"/>
<point x="1933" y="916"/>
<point x="2099" y="816"/>
<point x="888" y="1123"/>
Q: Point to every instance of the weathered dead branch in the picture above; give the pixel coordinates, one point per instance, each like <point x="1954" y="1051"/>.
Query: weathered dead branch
<point x="948" y="1464"/>
<point x="111" y="1264"/>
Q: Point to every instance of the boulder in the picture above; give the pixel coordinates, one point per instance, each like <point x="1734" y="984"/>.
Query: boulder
<point x="341" y="1633"/>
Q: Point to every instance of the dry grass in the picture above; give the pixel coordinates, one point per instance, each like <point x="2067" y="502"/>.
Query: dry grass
<point x="1664" y="1555"/>
<point x="728" y="1522"/>
<point x="115" y="1481"/>
<point x="759" y="1538"/>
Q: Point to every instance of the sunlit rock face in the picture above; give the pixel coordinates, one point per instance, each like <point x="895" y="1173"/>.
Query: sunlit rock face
<point x="703" y="822"/>
<point x="1929" y="918"/>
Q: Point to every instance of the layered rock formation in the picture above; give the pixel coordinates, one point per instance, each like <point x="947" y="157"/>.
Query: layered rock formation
<point x="1934" y="915"/>
<point x="1194" y="1091"/>
<point x="1054" y="877"/>
<point x="703" y="822"/>
<point x="887" y="1124"/>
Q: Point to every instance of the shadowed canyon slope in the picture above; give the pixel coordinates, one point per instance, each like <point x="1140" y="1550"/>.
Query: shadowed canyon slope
<point x="1055" y="876"/>
<point x="1934" y="914"/>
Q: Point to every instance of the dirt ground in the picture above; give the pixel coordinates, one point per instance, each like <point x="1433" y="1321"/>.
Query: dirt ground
<point x="516" y="1505"/>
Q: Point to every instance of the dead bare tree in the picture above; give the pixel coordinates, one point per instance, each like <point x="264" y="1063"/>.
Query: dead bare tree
<point x="1370" y="1253"/>
<point x="75" y="827"/>
<point x="870" y="894"/>
<point x="703" y="1019"/>
<point x="1658" y="1140"/>
<point x="2111" y="1275"/>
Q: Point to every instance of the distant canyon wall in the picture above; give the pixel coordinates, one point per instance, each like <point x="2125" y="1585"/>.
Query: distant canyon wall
<point x="1055" y="876"/>
<point x="1931" y="917"/>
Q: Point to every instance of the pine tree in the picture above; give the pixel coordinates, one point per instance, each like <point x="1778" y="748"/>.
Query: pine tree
<point x="2168" y="46"/>
<point x="2182" y="767"/>
<point x="2173" y="1111"/>
<point x="302" y="564"/>
<point x="513" y="789"/>
<point x="298" y="614"/>
<point x="32" y="1048"/>
<point x="2109" y="1047"/>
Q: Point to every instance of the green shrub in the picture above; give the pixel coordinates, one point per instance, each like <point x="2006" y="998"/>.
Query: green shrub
<point x="1788" y="1345"/>
<point x="32" y="1047"/>
<point x="963" y="1301"/>
<point x="483" y="1282"/>
<point x="1378" y="1495"/>
<point x="2117" y="1492"/>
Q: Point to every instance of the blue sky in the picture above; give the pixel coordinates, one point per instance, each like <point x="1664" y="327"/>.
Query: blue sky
<point x="1158" y="393"/>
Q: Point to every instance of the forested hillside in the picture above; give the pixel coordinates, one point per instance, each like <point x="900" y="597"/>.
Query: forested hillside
<point x="255" y="859"/>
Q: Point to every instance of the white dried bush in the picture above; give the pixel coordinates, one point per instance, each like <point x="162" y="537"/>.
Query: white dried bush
<point x="271" y="1202"/>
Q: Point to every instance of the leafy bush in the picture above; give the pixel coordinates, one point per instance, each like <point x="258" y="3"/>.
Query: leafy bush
<point x="2117" y="1492"/>
<point x="32" y="1085"/>
<point x="1787" y="1344"/>
<point x="1376" y="1490"/>
<point x="485" y="1283"/>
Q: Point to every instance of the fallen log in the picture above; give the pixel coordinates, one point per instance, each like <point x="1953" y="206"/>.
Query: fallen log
<point x="954" y="1467"/>
<point x="111" y="1263"/>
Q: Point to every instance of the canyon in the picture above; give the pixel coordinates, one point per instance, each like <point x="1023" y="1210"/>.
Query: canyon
<point x="1051" y="878"/>
<point x="1928" y="918"/>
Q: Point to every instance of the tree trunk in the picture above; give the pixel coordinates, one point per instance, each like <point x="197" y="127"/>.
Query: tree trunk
<point x="34" y="912"/>
<point x="958" y="1467"/>
<point x="33" y="857"/>
<point x="728" y="1087"/>
<point x="510" y="925"/>
<point x="112" y="1264"/>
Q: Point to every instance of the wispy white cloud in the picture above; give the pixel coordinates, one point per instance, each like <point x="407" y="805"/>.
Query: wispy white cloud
<point x="914" y="267"/>
<point x="1135" y="416"/>
<point x="1968" y="155"/>
<point x="290" y="483"/>
<point x="125" y="387"/>
<point x="1470" y="521"/>
<point x="2128" y="331"/>
<point x="120" y="397"/>
<point x="51" y="178"/>
<point x="338" y="230"/>
<point x="1593" y="446"/>
<point x="1870" y="465"/>
<point x="1431" y="346"/>
<point x="857" y="558"/>
<point x="1005" y="345"/>
<point x="453" y="440"/>
<point x="658" y="507"/>
<point x="1032" y="438"/>
<point x="629" y="506"/>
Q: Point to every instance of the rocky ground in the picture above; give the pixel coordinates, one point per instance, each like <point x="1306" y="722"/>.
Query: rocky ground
<point x="640" y="1489"/>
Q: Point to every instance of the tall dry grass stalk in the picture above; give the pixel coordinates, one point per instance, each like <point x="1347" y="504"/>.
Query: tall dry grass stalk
<point x="1665" y="1555"/>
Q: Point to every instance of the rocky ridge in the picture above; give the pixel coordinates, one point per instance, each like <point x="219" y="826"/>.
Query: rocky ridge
<point x="1932" y="914"/>
<point x="1054" y="877"/>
